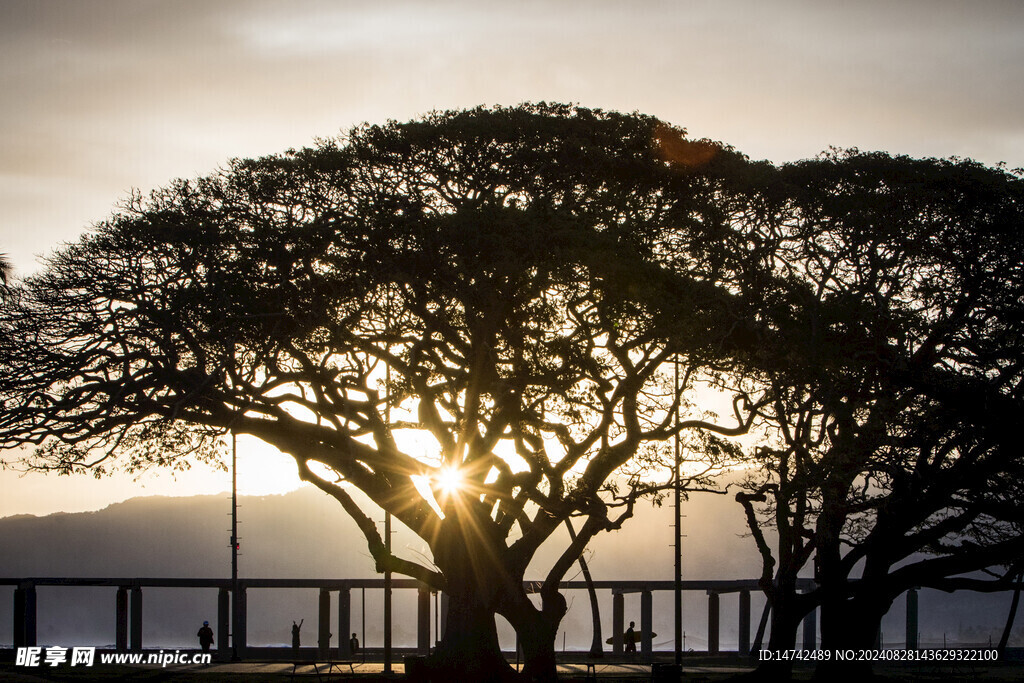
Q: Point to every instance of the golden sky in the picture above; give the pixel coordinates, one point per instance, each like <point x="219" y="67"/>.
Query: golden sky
<point x="103" y="96"/>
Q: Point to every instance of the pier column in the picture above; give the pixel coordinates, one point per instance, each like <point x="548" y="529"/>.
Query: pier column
<point x="238" y="628"/>
<point x="912" y="643"/>
<point x="423" y="621"/>
<point x="136" y="622"/>
<point x="19" y="617"/>
<point x="811" y="630"/>
<point x="323" y="640"/>
<point x="344" y="623"/>
<point x="444" y="615"/>
<point x="646" y="625"/>
<point x="713" y="618"/>
<point x="121" y="628"/>
<point x="618" y="614"/>
<point x="25" y="615"/>
<point x="744" y="622"/>
<point x="223" y="623"/>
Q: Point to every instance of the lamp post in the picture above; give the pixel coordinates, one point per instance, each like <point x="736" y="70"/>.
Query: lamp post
<point x="387" y="594"/>
<point x="235" y="604"/>
<point x="678" y="592"/>
<point x="387" y="540"/>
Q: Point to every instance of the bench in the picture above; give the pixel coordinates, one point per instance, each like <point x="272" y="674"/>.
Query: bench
<point x="329" y="670"/>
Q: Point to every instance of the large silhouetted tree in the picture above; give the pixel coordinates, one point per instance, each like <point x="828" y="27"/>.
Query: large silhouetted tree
<point x="457" y="316"/>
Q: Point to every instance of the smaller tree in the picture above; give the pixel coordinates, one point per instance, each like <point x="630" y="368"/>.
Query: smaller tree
<point x="898" y="382"/>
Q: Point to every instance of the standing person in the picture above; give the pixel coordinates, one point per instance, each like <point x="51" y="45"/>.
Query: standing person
<point x="630" y="638"/>
<point x="353" y="644"/>
<point x="295" y="637"/>
<point x="205" y="635"/>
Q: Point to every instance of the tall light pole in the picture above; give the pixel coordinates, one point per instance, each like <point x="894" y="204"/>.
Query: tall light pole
<point x="387" y="540"/>
<point x="235" y="604"/>
<point x="678" y="593"/>
<point x="387" y="594"/>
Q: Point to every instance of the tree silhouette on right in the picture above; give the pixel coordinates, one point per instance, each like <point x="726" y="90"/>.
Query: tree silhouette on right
<point x="896" y="388"/>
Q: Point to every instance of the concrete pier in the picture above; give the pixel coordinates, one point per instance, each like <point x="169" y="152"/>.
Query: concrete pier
<point x="744" y="624"/>
<point x="224" y="623"/>
<point x="323" y="639"/>
<point x="135" y="626"/>
<point x="121" y="626"/>
<point x="423" y="620"/>
<point x="911" y="626"/>
<point x="344" y="623"/>
<point x="714" y="613"/>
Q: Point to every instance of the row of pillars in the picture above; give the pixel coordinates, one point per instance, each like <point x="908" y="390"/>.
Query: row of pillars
<point x="647" y="623"/>
<point x="128" y="628"/>
<point x="128" y="635"/>
<point x="345" y="622"/>
<point x="127" y="632"/>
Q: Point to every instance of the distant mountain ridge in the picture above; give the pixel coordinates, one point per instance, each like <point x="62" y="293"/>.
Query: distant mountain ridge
<point x="305" y="534"/>
<point x="185" y="537"/>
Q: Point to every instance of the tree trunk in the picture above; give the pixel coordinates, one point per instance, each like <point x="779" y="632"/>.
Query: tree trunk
<point x="469" y="649"/>
<point x="596" y="643"/>
<point x="538" y="645"/>
<point x="1008" y="628"/>
<point x="537" y="629"/>
<point x="850" y="625"/>
<point x="784" y="623"/>
<point x="481" y="582"/>
<point x="470" y="555"/>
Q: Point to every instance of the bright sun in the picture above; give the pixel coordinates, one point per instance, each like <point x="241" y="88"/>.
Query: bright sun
<point x="449" y="479"/>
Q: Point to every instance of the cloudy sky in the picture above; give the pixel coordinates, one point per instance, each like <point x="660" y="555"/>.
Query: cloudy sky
<point x="102" y="96"/>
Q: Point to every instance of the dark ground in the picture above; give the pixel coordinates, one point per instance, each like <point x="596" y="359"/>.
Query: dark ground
<point x="698" y="669"/>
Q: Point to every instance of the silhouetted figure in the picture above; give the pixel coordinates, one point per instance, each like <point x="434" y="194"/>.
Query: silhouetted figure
<point x="630" y="638"/>
<point x="205" y="635"/>
<point x="295" y="637"/>
<point x="353" y="644"/>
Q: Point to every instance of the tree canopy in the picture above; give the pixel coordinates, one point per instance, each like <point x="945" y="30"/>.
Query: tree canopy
<point x="475" y="318"/>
